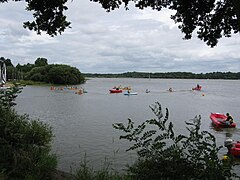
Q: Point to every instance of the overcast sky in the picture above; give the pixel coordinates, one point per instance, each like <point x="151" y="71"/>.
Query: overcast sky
<point x="116" y="42"/>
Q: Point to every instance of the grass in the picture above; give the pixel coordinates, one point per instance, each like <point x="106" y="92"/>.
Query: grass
<point x="84" y="172"/>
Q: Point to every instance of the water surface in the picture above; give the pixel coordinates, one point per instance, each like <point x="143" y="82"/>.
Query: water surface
<point x="82" y="124"/>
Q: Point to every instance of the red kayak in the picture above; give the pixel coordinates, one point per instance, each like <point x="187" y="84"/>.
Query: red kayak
<point x="218" y="120"/>
<point x="115" y="90"/>
<point x="197" y="88"/>
<point x="235" y="149"/>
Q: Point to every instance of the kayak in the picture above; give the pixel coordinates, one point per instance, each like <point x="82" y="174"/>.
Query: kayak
<point x="218" y="120"/>
<point x="115" y="91"/>
<point x="197" y="88"/>
<point x="126" y="88"/>
<point x="235" y="149"/>
<point x="130" y="93"/>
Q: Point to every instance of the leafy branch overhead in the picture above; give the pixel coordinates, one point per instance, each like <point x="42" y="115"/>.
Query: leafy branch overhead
<point x="211" y="19"/>
<point x="48" y="16"/>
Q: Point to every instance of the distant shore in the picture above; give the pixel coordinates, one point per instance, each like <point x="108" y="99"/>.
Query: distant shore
<point x="167" y="75"/>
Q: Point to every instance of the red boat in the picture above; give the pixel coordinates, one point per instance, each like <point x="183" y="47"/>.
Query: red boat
<point x="218" y="120"/>
<point x="115" y="91"/>
<point x="235" y="149"/>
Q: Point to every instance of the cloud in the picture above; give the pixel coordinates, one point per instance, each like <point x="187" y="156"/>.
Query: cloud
<point x="115" y="42"/>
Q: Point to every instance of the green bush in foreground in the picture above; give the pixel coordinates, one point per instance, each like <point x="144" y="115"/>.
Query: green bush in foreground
<point x="164" y="155"/>
<point x="24" y="145"/>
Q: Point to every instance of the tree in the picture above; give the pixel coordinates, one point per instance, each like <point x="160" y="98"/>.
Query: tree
<point x="56" y="74"/>
<point x="25" y="68"/>
<point x="212" y="19"/>
<point x="41" y="62"/>
<point x="48" y="15"/>
<point x="64" y="74"/>
<point x="8" y="62"/>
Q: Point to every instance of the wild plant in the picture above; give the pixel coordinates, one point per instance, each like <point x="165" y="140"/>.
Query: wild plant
<point x="25" y="144"/>
<point x="164" y="155"/>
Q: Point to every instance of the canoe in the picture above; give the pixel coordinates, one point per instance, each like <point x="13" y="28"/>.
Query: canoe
<point x="197" y="88"/>
<point x="218" y="120"/>
<point x="130" y="93"/>
<point x="115" y="91"/>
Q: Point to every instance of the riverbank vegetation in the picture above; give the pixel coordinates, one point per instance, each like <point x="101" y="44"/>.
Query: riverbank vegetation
<point x="25" y="143"/>
<point x="43" y="72"/>
<point x="168" y="75"/>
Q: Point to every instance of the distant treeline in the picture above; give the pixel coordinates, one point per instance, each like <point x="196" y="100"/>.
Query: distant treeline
<point x="169" y="75"/>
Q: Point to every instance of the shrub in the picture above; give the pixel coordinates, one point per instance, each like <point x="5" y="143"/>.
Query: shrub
<point x="164" y="155"/>
<point x="24" y="144"/>
<point x="8" y="96"/>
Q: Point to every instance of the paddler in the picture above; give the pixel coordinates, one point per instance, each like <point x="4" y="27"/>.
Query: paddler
<point x="229" y="119"/>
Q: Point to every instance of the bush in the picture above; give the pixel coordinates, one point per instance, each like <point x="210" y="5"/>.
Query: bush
<point x="24" y="145"/>
<point x="7" y="97"/>
<point x="164" y="155"/>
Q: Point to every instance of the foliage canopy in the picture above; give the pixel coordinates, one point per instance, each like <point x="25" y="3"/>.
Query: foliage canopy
<point x="48" y="16"/>
<point x="41" y="71"/>
<point x="41" y="62"/>
<point x="56" y="74"/>
<point x="212" y="19"/>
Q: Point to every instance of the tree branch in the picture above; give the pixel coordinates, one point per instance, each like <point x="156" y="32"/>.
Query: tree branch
<point x="236" y="4"/>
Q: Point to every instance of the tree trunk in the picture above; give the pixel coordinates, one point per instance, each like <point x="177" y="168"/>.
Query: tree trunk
<point x="236" y="4"/>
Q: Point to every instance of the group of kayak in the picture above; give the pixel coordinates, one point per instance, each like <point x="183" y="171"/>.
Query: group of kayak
<point x="127" y="90"/>
<point x="197" y="88"/>
<point x="226" y="121"/>
<point x="75" y="89"/>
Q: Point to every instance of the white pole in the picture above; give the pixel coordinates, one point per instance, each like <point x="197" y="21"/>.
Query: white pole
<point x="4" y="73"/>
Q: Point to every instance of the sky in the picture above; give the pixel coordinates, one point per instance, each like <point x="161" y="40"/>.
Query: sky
<point x="116" y="42"/>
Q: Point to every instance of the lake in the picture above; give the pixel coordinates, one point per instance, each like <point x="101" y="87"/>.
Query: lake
<point x="82" y="124"/>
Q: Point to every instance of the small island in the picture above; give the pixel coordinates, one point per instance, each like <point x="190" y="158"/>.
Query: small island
<point x="42" y="72"/>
